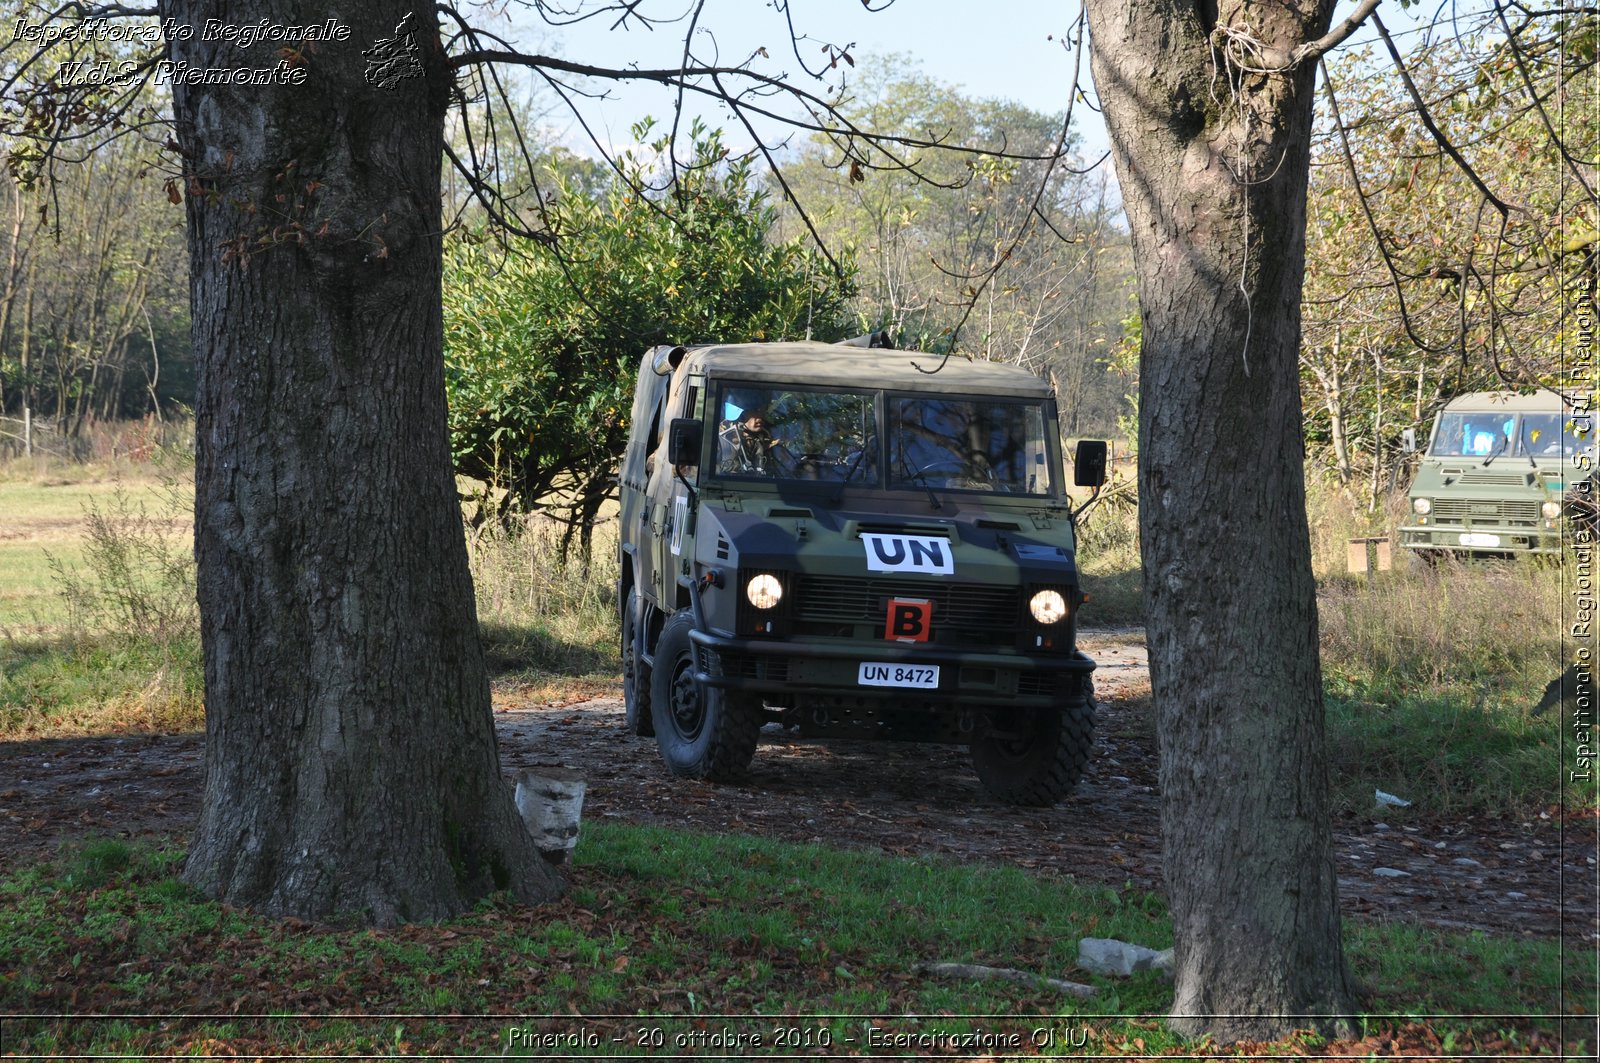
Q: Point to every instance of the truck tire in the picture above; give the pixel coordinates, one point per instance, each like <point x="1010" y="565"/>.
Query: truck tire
<point x="702" y="732"/>
<point x="635" y="674"/>
<point x="1045" y="764"/>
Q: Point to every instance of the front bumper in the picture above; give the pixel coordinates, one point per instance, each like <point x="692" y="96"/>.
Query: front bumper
<point x="1481" y="538"/>
<point x="772" y="666"/>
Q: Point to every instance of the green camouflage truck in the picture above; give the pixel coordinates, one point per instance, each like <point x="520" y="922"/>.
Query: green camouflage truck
<point x="1501" y="475"/>
<point x="835" y="538"/>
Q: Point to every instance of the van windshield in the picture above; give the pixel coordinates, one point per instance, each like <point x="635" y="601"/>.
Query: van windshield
<point x="1493" y="433"/>
<point x="968" y="444"/>
<point x="1472" y="435"/>
<point x="1554" y="435"/>
<point x="933" y="441"/>
<point x="797" y="434"/>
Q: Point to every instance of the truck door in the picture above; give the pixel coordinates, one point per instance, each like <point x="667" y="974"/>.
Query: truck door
<point x="669" y="509"/>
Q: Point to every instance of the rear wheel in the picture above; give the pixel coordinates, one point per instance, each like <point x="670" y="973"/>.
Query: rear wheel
<point x="635" y="673"/>
<point x="702" y="732"/>
<point x="1036" y="756"/>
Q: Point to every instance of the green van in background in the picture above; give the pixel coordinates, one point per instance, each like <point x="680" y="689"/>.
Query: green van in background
<point x="1503" y="474"/>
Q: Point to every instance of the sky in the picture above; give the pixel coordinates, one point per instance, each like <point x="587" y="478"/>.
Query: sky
<point x="1013" y="50"/>
<point x="1001" y="49"/>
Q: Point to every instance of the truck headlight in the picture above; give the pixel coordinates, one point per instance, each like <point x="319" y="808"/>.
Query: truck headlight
<point x="1551" y="510"/>
<point x="1048" y="606"/>
<point x="1421" y="506"/>
<point x="764" y="591"/>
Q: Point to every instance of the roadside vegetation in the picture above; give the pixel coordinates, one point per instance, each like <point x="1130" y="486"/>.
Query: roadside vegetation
<point x="674" y="932"/>
<point x="669" y="931"/>
<point x="1429" y="671"/>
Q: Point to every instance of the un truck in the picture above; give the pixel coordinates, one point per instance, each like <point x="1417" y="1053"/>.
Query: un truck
<point x="852" y="542"/>
<point x="1502" y="474"/>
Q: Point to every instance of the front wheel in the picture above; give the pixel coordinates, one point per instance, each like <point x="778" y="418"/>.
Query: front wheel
<point x="635" y="673"/>
<point x="1036" y="756"/>
<point x="702" y="732"/>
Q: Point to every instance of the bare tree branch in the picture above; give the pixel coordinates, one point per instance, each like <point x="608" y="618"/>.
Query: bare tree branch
<point x="1316" y="49"/>
<point x="1522" y="72"/>
<point x="1372" y="223"/>
<point x="1427" y="120"/>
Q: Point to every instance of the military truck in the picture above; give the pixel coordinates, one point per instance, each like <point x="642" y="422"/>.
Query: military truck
<point x="853" y="542"/>
<point x="1501" y="474"/>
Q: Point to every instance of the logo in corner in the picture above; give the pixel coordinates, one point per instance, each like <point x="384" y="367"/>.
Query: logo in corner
<point x="392" y="60"/>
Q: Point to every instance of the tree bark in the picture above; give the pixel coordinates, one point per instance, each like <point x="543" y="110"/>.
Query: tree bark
<point x="1213" y="166"/>
<point x="351" y="766"/>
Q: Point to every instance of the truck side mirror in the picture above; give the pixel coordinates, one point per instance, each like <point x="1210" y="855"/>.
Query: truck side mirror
<point x="1408" y="441"/>
<point x="684" y="436"/>
<point x="1089" y="463"/>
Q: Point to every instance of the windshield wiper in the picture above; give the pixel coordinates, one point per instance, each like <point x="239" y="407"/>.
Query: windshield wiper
<point x="921" y="474"/>
<point x="854" y="465"/>
<point x="1499" y="448"/>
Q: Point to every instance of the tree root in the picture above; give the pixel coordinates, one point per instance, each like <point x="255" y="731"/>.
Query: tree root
<point x="1007" y="974"/>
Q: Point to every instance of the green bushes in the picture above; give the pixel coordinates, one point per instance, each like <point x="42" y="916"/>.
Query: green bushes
<point x="543" y="341"/>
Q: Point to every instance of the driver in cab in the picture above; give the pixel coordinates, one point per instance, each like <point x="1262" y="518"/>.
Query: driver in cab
<point x="746" y="445"/>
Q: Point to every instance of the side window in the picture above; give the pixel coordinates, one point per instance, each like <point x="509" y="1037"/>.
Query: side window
<point x="691" y="408"/>
<point x="653" y="440"/>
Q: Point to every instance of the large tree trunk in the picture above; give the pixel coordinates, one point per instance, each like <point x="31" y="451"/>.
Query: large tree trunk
<point x="351" y="766"/>
<point x="1214" y="184"/>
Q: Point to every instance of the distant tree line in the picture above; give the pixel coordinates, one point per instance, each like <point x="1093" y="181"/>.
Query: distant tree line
<point x="94" y="317"/>
<point x="1011" y="259"/>
<point x="93" y="281"/>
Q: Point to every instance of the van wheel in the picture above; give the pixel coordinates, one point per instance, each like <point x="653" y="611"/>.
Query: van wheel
<point x="1040" y="755"/>
<point x="635" y="674"/>
<point x="702" y="732"/>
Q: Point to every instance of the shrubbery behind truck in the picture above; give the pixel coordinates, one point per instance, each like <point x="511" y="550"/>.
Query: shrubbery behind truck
<point x="834" y="538"/>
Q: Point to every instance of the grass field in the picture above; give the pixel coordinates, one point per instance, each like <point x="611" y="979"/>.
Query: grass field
<point x="44" y="517"/>
<point x="1400" y="670"/>
<point x="674" y="934"/>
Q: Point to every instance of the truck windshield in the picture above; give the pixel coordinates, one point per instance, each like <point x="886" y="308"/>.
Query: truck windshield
<point x="797" y="433"/>
<point x="1493" y="433"/>
<point x="968" y="444"/>
<point x="1472" y="435"/>
<point x="1554" y="435"/>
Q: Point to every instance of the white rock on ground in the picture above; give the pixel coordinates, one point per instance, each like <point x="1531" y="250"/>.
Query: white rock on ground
<point x="1116" y="958"/>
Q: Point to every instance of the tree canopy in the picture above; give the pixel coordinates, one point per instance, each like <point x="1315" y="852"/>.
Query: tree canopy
<point x="542" y="344"/>
<point x="1419" y="287"/>
<point x="1018" y="259"/>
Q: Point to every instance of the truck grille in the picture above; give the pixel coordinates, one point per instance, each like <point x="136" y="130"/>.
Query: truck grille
<point x="1500" y="477"/>
<point x="1460" y="510"/>
<point x="964" y="611"/>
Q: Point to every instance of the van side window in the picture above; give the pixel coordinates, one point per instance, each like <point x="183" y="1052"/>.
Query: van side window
<point x="691" y="408"/>
<point x="653" y="439"/>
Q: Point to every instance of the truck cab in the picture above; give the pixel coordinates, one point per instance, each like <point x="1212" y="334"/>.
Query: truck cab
<point x="1502" y="474"/>
<point x="852" y="542"/>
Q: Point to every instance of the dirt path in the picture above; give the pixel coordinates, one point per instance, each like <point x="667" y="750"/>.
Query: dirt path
<point x="910" y="799"/>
